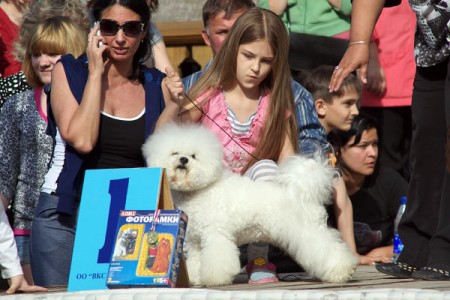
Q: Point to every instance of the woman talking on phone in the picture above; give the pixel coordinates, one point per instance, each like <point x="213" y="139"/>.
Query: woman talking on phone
<point x="104" y="104"/>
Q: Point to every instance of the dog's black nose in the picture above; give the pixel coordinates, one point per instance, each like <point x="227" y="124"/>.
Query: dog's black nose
<point x="184" y="160"/>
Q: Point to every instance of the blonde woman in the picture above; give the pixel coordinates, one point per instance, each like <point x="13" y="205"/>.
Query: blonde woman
<point x="24" y="145"/>
<point x="37" y="11"/>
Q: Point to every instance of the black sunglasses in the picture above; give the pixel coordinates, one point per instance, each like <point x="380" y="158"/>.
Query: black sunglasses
<point x="130" y="28"/>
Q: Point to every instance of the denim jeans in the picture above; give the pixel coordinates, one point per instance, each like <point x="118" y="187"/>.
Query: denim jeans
<point x="51" y="243"/>
<point x="23" y="247"/>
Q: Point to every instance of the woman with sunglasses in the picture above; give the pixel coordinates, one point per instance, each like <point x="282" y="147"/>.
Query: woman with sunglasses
<point x="105" y="104"/>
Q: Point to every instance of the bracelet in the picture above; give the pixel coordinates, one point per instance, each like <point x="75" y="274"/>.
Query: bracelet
<point x="358" y="43"/>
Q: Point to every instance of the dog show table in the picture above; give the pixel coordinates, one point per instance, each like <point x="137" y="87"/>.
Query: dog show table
<point x="367" y="283"/>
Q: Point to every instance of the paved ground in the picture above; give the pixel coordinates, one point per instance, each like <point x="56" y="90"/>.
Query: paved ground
<point x="367" y="283"/>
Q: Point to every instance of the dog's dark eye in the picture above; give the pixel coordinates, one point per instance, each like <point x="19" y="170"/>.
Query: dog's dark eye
<point x="193" y="156"/>
<point x="174" y="153"/>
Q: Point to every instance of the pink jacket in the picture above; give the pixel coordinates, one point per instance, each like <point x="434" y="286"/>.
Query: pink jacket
<point x="235" y="158"/>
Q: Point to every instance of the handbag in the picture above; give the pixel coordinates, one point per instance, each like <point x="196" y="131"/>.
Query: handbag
<point x="309" y="51"/>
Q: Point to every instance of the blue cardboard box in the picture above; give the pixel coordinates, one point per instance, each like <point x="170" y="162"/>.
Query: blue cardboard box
<point x="105" y="193"/>
<point x="148" y="248"/>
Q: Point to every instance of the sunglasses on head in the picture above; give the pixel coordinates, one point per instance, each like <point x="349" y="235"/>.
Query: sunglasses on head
<point x="130" y="28"/>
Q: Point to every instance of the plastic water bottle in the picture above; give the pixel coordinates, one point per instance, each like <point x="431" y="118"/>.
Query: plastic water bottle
<point x="398" y="245"/>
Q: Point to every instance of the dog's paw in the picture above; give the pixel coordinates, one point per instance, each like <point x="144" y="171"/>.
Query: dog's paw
<point x="342" y="270"/>
<point x="194" y="282"/>
<point x="211" y="280"/>
<point x="208" y="281"/>
<point x="340" y="276"/>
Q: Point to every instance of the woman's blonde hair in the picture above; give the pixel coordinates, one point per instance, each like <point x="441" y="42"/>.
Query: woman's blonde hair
<point x="56" y="35"/>
<point x="254" y="25"/>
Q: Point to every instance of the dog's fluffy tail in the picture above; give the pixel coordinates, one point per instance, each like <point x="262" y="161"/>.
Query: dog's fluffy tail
<point x="310" y="180"/>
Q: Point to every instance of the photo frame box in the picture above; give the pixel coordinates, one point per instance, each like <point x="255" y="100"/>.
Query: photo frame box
<point x="147" y="254"/>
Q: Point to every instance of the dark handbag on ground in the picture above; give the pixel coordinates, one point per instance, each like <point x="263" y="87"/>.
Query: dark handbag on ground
<point x="308" y="51"/>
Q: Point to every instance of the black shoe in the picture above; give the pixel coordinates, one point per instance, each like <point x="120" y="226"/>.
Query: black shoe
<point x="429" y="273"/>
<point x="396" y="269"/>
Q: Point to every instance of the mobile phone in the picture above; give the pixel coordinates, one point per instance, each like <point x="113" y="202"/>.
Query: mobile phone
<point x="98" y="34"/>
<point x="100" y="43"/>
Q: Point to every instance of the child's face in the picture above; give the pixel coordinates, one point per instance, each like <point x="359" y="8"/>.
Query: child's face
<point x="362" y="157"/>
<point x="43" y="65"/>
<point x="254" y="63"/>
<point x="340" y="112"/>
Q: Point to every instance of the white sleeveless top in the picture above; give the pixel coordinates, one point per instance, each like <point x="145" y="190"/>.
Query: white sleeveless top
<point x="56" y="165"/>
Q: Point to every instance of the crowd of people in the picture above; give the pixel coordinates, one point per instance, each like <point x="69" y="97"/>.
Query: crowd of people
<point x="63" y="112"/>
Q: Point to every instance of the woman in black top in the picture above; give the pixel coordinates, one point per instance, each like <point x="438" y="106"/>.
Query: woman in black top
<point x="374" y="191"/>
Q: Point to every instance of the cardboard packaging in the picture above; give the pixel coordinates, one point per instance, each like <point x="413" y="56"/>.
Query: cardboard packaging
<point x="105" y="193"/>
<point x="148" y="249"/>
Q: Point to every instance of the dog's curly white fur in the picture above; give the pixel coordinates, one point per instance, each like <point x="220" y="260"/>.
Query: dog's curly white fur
<point x="226" y="210"/>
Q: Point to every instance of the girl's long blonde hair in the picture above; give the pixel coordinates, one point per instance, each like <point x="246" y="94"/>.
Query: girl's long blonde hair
<point x="254" y="25"/>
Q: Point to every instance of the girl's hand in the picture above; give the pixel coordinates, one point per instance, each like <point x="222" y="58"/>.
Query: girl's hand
<point x="172" y="83"/>
<point x="173" y="92"/>
<point x="94" y="51"/>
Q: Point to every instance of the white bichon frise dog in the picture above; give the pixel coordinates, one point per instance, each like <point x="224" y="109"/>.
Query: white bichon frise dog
<point x="227" y="210"/>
